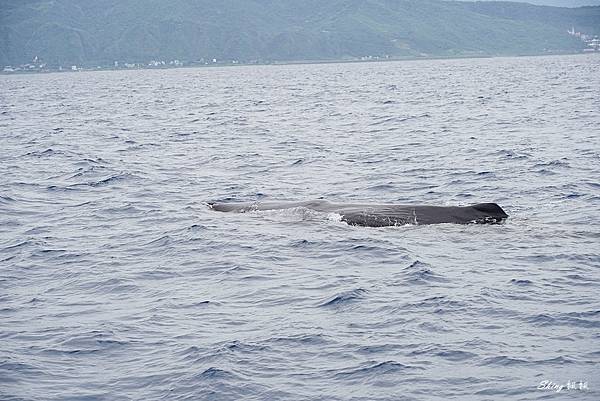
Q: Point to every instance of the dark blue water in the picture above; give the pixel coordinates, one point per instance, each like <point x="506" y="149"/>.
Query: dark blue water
<point x="117" y="282"/>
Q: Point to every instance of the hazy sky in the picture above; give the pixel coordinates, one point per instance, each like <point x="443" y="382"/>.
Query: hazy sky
<point x="562" y="3"/>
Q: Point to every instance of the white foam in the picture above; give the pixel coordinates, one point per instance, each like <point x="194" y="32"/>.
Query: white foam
<point x="334" y="217"/>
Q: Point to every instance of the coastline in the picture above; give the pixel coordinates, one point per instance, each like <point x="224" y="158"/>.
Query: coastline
<point x="287" y="62"/>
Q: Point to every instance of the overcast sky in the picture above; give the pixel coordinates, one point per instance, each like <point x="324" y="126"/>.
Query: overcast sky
<point x="561" y="3"/>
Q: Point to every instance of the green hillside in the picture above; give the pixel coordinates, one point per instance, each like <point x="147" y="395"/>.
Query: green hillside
<point x="65" y="32"/>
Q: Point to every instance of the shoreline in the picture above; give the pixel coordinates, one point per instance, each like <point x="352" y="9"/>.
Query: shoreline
<point x="289" y="62"/>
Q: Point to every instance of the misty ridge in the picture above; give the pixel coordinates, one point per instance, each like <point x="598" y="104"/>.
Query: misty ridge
<point x="107" y="32"/>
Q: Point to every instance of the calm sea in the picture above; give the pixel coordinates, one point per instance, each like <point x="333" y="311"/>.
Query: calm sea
<point x="117" y="282"/>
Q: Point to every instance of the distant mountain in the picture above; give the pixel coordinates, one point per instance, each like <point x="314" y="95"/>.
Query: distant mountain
<point x="99" y="32"/>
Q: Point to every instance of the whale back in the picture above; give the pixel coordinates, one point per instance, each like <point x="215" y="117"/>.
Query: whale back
<point x="372" y="215"/>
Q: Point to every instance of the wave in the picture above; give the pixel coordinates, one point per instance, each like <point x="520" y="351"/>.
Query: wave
<point x="421" y="273"/>
<point x="374" y="370"/>
<point x="345" y="298"/>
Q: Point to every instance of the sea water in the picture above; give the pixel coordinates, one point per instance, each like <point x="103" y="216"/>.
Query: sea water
<point x="117" y="282"/>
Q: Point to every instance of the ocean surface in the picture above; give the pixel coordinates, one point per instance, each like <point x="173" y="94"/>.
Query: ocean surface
<point x="118" y="282"/>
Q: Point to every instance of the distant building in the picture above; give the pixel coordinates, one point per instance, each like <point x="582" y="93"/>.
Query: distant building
<point x="73" y="68"/>
<point x="593" y="43"/>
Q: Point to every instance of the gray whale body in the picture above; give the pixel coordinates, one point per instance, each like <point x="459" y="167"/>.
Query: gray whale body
<point x="371" y="215"/>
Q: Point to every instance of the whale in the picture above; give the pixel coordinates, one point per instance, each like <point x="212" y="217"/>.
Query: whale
<point x="381" y="215"/>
